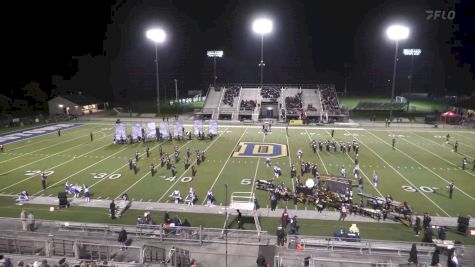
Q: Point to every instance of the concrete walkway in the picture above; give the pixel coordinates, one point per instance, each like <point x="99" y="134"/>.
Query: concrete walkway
<point x="263" y="212"/>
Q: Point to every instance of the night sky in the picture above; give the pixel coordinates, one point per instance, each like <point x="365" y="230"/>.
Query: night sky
<point x="100" y="47"/>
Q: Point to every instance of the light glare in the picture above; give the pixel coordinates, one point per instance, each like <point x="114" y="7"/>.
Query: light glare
<point x="412" y="52"/>
<point x="215" y="53"/>
<point x="397" y="32"/>
<point x="156" y="35"/>
<point x="262" y="26"/>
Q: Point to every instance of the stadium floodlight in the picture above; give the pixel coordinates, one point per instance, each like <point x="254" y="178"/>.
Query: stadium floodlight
<point x="262" y="26"/>
<point x="396" y="33"/>
<point x="157" y="36"/>
<point x="411" y="52"/>
<point x="214" y="55"/>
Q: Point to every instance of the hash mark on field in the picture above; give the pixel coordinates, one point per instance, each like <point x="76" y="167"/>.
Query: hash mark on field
<point x="99" y="197"/>
<point x="107" y="198"/>
<point x="50" y="195"/>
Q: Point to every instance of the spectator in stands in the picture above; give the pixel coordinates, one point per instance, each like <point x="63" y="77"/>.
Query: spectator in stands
<point x="62" y="263"/>
<point x="44" y="263"/>
<point x="435" y="258"/>
<point x="413" y="254"/>
<point x="261" y="261"/>
<point x="280" y="236"/>
<point x="31" y="222"/>
<point x="452" y="260"/>
<point x="122" y="239"/>
<point x="23" y="218"/>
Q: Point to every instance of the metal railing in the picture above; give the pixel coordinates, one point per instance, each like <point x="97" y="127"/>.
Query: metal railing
<point x="145" y="231"/>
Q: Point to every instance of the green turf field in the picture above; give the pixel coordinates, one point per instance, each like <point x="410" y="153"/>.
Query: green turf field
<point x="414" y="105"/>
<point x="421" y="162"/>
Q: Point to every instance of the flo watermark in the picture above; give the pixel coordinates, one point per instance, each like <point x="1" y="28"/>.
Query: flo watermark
<point x="440" y="14"/>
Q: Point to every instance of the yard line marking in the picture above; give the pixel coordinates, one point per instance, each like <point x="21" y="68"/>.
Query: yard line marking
<point x="31" y="177"/>
<point x="423" y="166"/>
<point x="257" y="168"/>
<point x="48" y="156"/>
<point x="400" y="174"/>
<point x="290" y="157"/>
<point x="55" y="144"/>
<point x="24" y="165"/>
<point x="212" y="143"/>
<point x="225" y="163"/>
<point x="30" y="142"/>
<point x="318" y="153"/>
<point x="444" y="147"/>
<point x="146" y="174"/>
<point x="126" y="164"/>
<point x="94" y="164"/>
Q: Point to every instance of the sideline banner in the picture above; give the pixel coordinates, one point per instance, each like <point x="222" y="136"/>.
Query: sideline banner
<point x="213" y="127"/>
<point x="136" y="131"/>
<point x="198" y="127"/>
<point x="151" y="130"/>
<point x="120" y="132"/>
<point x="177" y="128"/>
<point x="164" y="129"/>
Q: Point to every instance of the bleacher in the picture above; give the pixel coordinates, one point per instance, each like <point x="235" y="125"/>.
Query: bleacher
<point x="311" y="102"/>
<point x="249" y="100"/>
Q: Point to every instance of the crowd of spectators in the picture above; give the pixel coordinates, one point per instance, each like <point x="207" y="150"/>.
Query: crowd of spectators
<point x="270" y="92"/>
<point x="330" y="100"/>
<point x="248" y="104"/>
<point x="230" y="94"/>
<point x="294" y="104"/>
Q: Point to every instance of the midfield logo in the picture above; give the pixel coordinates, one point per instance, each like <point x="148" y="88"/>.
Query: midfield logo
<point x="260" y="150"/>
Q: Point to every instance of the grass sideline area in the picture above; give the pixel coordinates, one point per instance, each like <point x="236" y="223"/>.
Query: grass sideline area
<point x="379" y="231"/>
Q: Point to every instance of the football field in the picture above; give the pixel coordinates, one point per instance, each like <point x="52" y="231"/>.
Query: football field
<point x="418" y="170"/>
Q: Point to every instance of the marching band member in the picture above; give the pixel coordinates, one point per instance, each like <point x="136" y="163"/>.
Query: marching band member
<point x="86" y="193"/>
<point x="176" y="196"/>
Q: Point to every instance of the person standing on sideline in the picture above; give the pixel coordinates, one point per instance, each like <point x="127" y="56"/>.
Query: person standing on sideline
<point x="31" y="222"/>
<point x="112" y="209"/>
<point x="342" y="213"/>
<point x="417" y="225"/>
<point x="92" y="136"/>
<point x="43" y="181"/>
<point x="394" y="142"/>
<point x="435" y="258"/>
<point x="59" y="132"/>
<point x="122" y="239"/>
<point x="451" y="188"/>
<point x="287" y="130"/>
<point x="464" y="163"/>
<point x="447" y="137"/>
<point x="1" y="148"/>
<point x="23" y="218"/>
<point x="473" y="167"/>
<point x="456" y="146"/>
<point x="333" y="132"/>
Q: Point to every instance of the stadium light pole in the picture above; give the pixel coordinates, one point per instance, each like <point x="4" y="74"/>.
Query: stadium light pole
<point x="262" y="26"/>
<point x="411" y="52"/>
<point x="214" y="55"/>
<point x="396" y="33"/>
<point x="158" y="36"/>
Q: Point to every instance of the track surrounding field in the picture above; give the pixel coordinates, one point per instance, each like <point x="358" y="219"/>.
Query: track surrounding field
<point x="417" y="171"/>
